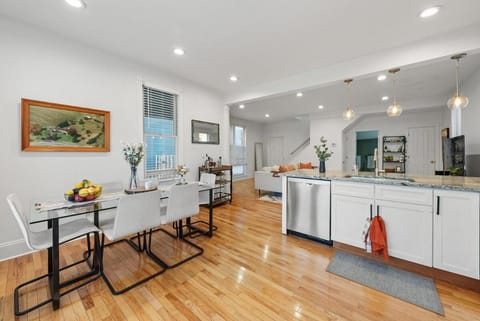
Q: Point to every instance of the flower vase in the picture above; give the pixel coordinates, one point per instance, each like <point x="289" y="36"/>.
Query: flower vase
<point x="133" y="178"/>
<point x="182" y="179"/>
<point x="321" y="167"/>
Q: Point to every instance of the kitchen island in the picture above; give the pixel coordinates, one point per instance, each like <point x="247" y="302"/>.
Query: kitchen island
<point x="432" y="222"/>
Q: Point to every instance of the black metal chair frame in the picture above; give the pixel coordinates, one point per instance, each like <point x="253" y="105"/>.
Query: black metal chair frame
<point x="95" y="267"/>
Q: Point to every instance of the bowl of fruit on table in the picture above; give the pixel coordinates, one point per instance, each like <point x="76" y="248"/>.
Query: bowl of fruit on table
<point x="84" y="191"/>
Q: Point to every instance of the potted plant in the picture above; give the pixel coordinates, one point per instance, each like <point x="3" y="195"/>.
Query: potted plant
<point x="323" y="153"/>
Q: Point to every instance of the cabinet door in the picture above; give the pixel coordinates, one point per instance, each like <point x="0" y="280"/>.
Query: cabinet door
<point x="349" y="215"/>
<point x="456" y="232"/>
<point x="409" y="230"/>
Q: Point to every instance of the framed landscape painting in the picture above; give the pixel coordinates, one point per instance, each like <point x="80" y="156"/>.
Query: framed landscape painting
<point x="62" y="128"/>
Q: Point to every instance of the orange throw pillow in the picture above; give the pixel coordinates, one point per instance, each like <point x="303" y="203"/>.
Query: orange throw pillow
<point x="306" y="165"/>
<point x="283" y="169"/>
<point x="291" y="167"/>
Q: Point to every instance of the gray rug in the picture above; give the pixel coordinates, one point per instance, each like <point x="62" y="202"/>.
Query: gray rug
<point x="403" y="285"/>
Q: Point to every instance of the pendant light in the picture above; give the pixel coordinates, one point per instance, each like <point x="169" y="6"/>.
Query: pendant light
<point x="394" y="110"/>
<point x="348" y="113"/>
<point x="457" y="101"/>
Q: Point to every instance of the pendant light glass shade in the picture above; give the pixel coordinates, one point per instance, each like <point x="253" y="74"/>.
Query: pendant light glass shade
<point x="457" y="101"/>
<point x="394" y="110"/>
<point x="348" y="114"/>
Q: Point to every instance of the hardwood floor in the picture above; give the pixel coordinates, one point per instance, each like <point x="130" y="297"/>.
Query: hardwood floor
<point x="249" y="271"/>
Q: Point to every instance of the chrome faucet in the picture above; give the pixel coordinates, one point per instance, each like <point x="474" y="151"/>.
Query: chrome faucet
<point x="375" y="159"/>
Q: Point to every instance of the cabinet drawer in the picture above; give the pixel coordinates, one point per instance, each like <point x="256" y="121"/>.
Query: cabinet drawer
<point x="412" y="195"/>
<point x="353" y="189"/>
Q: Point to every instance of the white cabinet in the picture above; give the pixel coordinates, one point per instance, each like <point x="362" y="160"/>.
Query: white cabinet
<point x="409" y="230"/>
<point x="456" y="232"/>
<point x="349" y="215"/>
<point x="407" y="212"/>
<point x="350" y="212"/>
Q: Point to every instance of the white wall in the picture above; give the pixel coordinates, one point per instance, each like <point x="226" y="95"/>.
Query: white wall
<point x="388" y="126"/>
<point x="294" y="133"/>
<point x="42" y="66"/>
<point x="254" y="132"/>
<point x="471" y="114"/>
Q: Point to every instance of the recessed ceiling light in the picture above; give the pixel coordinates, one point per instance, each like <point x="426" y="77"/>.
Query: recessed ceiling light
<point x="320" y="107"/>
<point x="179" y="51"/>
<point x="384" y="98"/>
<point x="233" y="78"/>
<point x="381" y="77"/>
<point x="299" y="94"/>
<point x="427" y="13"/>
<point x="267" y="115"/>
<point x="241" y="106"/>
<point x="77" y="3"/>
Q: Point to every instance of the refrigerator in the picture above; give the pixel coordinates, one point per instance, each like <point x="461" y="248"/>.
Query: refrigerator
<point x="454" y="155"/>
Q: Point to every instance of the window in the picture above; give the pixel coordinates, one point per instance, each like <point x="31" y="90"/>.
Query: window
<point x="238" y="150"/>
<point x="159" y="133"/>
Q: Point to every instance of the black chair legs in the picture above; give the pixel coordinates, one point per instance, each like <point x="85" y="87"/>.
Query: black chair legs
<point x="139" y="248"/>
<point x="95" y="271"/>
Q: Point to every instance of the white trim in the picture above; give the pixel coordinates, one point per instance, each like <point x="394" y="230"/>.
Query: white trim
<point x="12" y="249"/>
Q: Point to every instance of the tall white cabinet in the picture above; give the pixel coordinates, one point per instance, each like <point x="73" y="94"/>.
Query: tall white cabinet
<point x="456" y="244"/>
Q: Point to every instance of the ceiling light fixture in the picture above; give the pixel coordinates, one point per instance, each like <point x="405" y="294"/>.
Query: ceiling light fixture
<point x="179" y="51"/>
<point x="348" y="113"/>
<point x="241" y="106"/>
<point x="385" y="98"/>
<point x="381" y="77"/>
<point x="394" y="109"/>
<point x="299" y="94"/>
<point x="320" y="107"/>
<point x="267" y="115"/>
<point x="429" y="12"/>
<point x="233" y="78"/>
<point x="77" y="3"/>
<point x="457" y="101"/>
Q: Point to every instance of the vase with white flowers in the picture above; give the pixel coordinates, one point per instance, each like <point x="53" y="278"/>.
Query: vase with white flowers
<point x="323" y="153"/>
<point x="182" y="170"/>
<point x="133" y="154"/>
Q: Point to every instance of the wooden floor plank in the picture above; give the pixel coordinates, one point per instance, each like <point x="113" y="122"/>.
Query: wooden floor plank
<point x="249" y="271"/>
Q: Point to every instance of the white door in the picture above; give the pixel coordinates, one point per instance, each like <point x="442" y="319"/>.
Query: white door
<point x="275" y="150"/>
<point x="421" y="142"/>
<point x="409" y="230"/>
<point x="456" y="232"/>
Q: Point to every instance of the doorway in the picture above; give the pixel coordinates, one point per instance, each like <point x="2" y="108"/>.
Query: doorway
<point x="367" y="141"/>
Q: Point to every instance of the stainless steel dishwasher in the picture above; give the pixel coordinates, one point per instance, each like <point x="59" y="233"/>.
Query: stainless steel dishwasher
<point x="308" y="208"/>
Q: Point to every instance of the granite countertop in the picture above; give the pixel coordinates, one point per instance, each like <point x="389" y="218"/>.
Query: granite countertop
<point x="459" y="183"/>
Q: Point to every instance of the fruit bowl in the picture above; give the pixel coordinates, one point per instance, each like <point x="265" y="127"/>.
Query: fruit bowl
<point x="83" y="191"/>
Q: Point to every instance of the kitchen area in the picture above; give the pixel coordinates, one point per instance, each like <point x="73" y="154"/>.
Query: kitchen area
<point x="432" y="222"/>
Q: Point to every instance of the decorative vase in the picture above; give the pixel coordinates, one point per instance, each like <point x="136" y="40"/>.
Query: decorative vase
<point x="321" y="167"/>
<point x="133" y="177"/>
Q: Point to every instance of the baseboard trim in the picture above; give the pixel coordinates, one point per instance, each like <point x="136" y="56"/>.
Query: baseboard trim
<point x="12" y="249"/>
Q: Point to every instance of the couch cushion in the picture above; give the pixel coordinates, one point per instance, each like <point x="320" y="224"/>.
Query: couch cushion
<point x="305" y="165"/>
<point x="283" y="168"/>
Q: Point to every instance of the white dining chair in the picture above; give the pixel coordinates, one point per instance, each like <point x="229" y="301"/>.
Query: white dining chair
<point x="207" y="179"/>
<point x="182" y="203"/>
<point x="42" y="240"/>
<point x="135" y="214"/>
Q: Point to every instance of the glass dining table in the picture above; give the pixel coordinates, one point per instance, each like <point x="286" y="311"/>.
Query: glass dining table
<point x="51" y="212"/>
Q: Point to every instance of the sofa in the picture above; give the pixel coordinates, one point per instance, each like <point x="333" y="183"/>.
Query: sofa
<point x="270" y="179"/>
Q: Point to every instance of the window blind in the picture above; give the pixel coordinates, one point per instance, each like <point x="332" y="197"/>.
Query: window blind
<point x="160" y="133"/>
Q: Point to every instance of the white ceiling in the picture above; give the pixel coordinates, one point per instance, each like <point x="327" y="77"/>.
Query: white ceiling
<point x="259" y="41"/>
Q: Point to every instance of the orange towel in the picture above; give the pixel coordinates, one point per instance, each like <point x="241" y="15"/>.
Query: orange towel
<point x="378" y="237"/>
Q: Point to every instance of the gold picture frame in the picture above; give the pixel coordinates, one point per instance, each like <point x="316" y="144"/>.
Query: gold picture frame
<point x="52" y="127"/>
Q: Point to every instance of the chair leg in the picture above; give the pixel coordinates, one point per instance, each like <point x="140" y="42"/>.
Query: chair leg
<point x="135" y="284"/>
<point x="16" y="291"/>
<point x="163" y="263"/>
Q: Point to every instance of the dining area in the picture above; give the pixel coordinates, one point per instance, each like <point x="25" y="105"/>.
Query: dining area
<point x="123" y="237"/>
